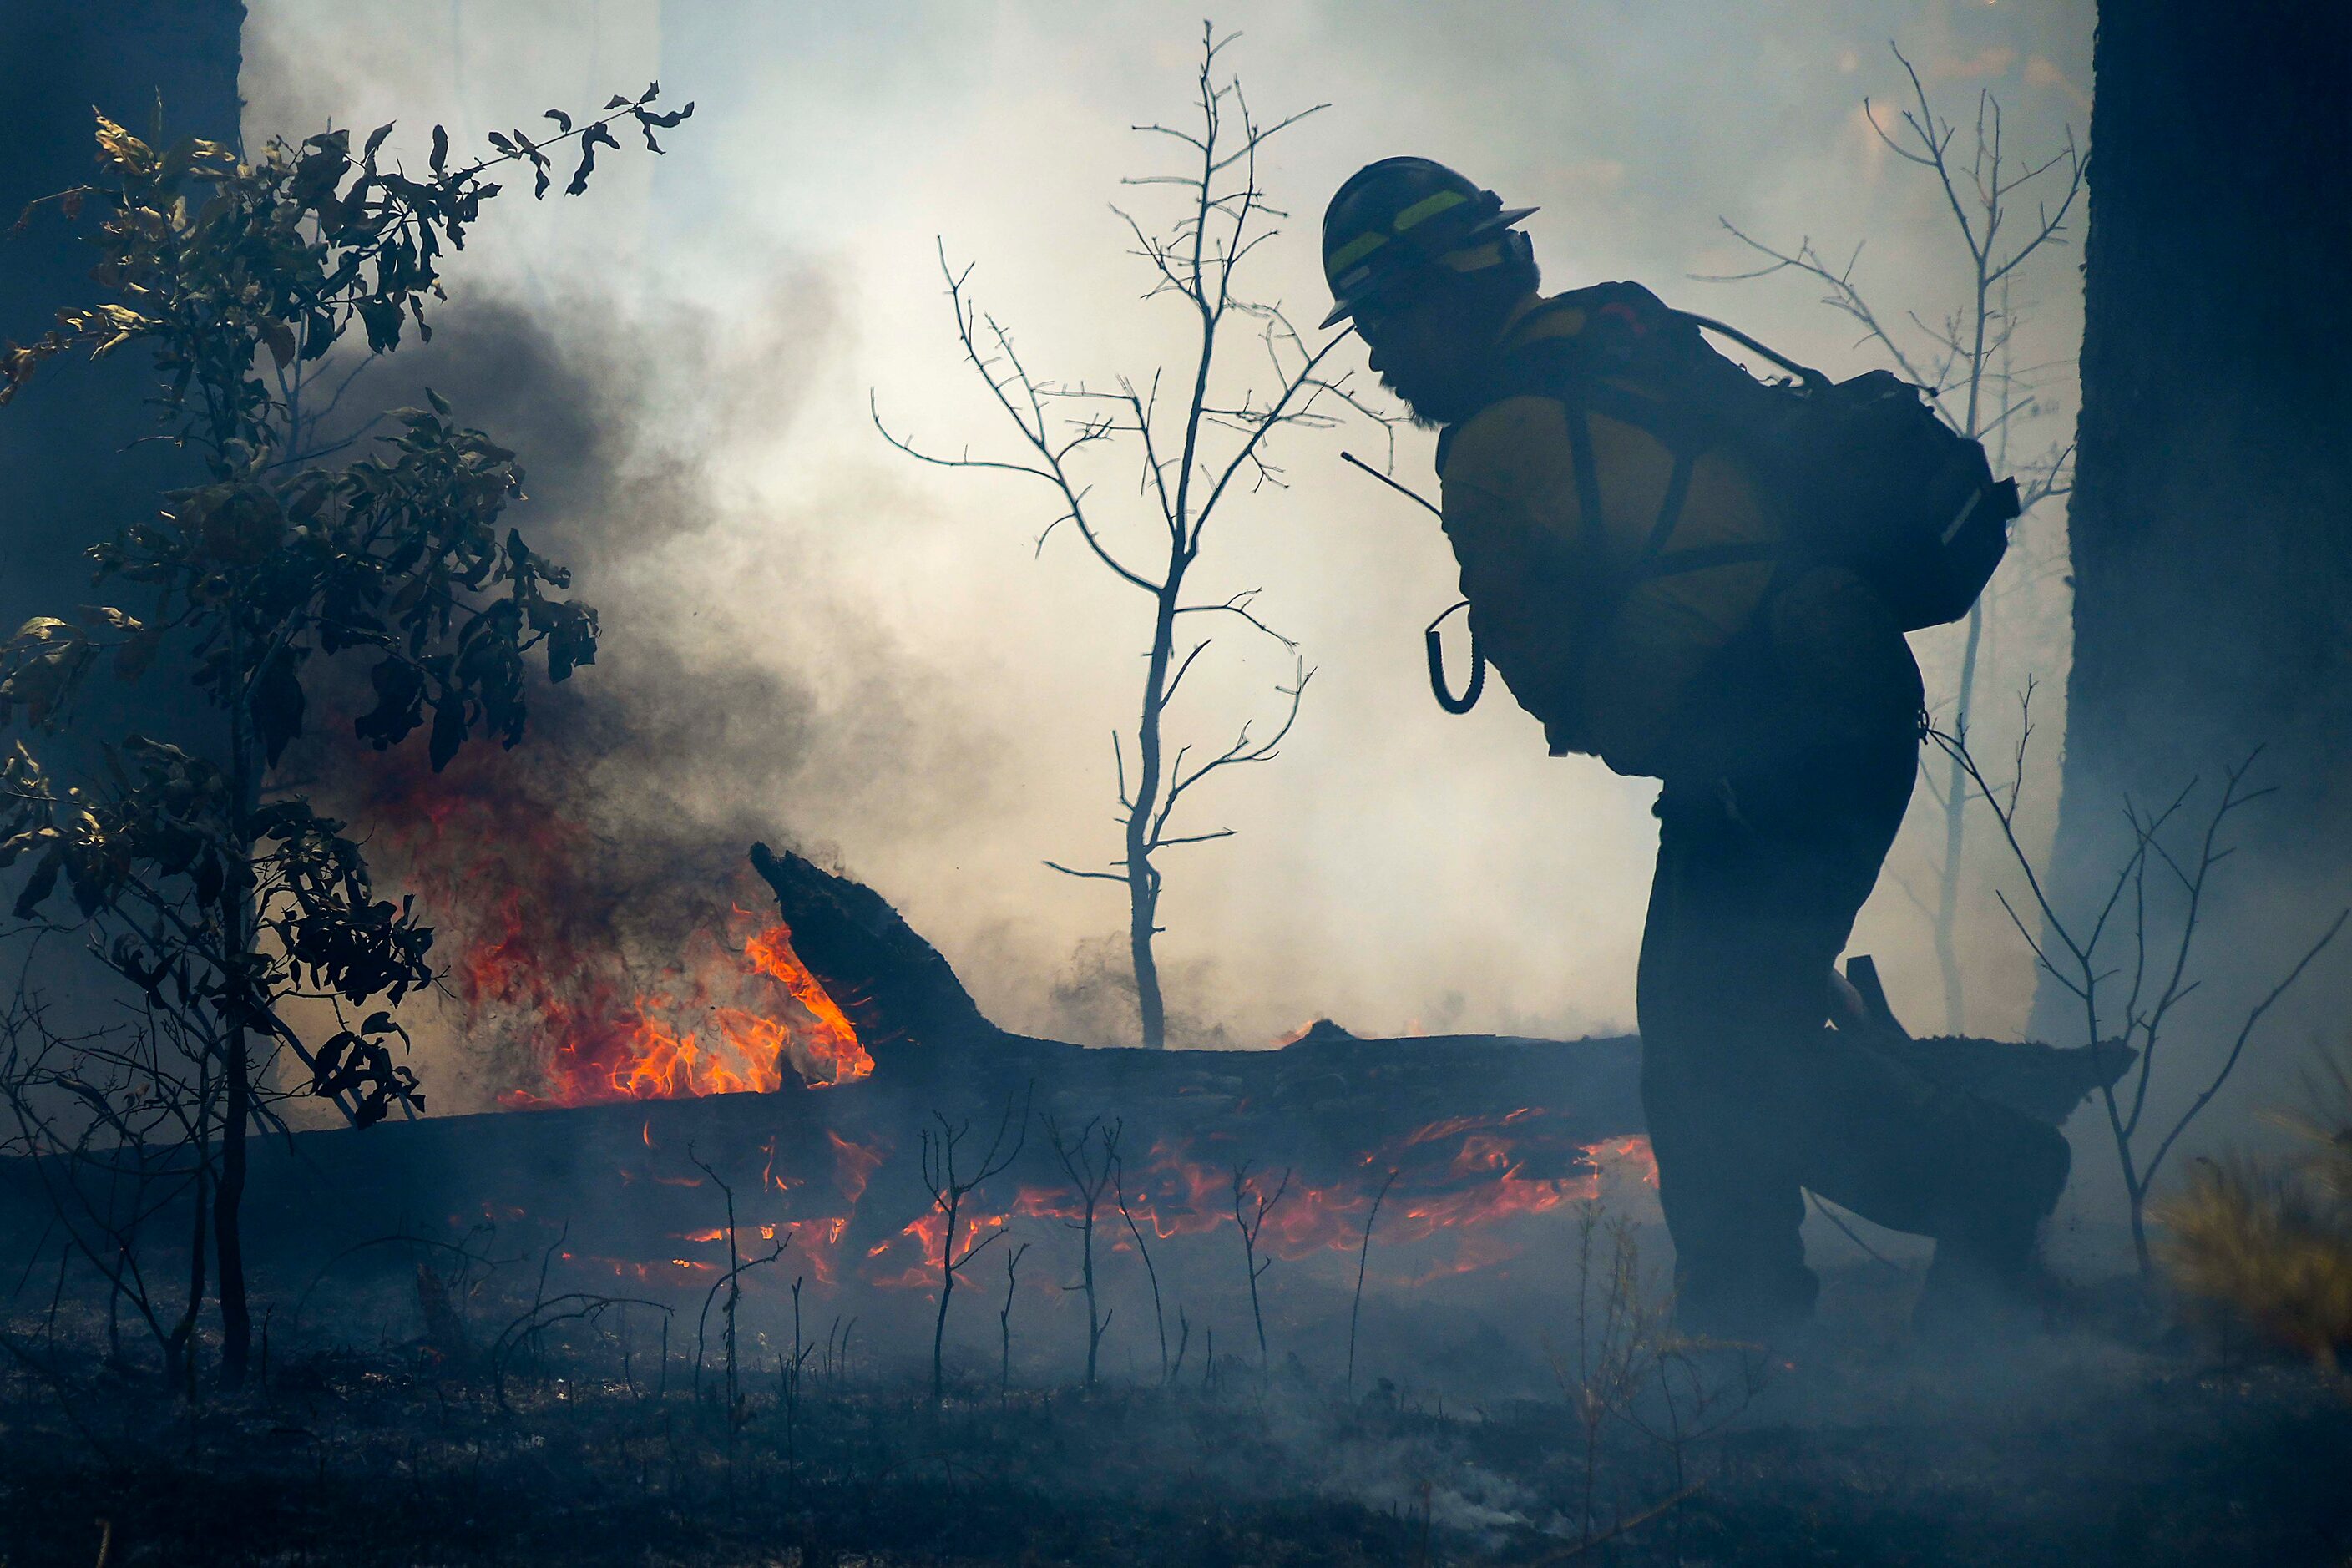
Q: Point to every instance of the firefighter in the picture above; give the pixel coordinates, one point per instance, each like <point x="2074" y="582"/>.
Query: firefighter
<point x="1627" y="580"/>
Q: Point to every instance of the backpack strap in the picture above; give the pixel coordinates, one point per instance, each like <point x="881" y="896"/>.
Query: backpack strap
<point x="1558" y="370"/>
<point x="1587" y="472"/>
<point x="1571" y="372"/>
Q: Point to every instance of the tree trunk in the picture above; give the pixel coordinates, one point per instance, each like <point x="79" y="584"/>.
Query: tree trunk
<point x="1143" y="912"/>
<point x="939" y="1323"/>
<point x="2212" y="515"/>
<point x="236" y="1103"/>
<point x="1143" y="876"/>
<point x="180" y="1350"/>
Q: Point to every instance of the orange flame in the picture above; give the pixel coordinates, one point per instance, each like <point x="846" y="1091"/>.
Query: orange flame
<point x="721" y="1028"/>
<point x="537" y="956"/>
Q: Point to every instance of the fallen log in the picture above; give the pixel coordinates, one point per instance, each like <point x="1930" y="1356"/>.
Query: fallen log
<point x="1476" y="1127"/>
<point x="909" y="1002"/>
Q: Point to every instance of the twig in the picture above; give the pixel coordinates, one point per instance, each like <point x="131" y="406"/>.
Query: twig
<point x="1158" y="1316"/>
<point x="1363" y="1256"/>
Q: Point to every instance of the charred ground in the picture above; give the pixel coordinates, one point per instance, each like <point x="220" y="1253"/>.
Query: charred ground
<point x="2080" y="1449"/>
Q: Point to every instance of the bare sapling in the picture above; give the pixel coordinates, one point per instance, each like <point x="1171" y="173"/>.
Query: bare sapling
<point x="1192" y="456"/>
<point x="1005" y="1324"/>
<point x="1252" y="1204"/>
<point x="731" y="1282"/>
<point x="1150" y="1272"/>
<point x="949" y="1183"/>
<point x="834" y="1367"/>
<point x="2127" y="1003"/>
<point x="791" y="1379"/>
<point x="1090" y="1161"/>
<point x="1623" y="1338"/>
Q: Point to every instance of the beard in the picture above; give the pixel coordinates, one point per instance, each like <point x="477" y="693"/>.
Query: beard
<point x="1430" y="402"/>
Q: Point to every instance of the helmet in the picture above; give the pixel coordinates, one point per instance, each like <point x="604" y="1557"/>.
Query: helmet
<point x="1397" y="220"/>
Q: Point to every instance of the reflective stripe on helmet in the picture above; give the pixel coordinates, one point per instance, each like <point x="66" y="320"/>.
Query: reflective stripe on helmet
<point x="1429" y="207"/>
<point x="1421" y="212"/>
<point x="1355" y="251"/>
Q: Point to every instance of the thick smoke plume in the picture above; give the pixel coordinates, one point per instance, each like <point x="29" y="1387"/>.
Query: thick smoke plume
<point x="591" y="880"/>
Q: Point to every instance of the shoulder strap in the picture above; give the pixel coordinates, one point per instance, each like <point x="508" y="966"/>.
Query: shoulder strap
<point x="1566" y="375"/>
<point x="1563" y="370"/>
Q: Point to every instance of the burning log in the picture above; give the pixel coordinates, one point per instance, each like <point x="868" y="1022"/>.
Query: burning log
<point x="1463" y="1133"/>
<point x="892" y="984"/>
<point x="898" y="989"/>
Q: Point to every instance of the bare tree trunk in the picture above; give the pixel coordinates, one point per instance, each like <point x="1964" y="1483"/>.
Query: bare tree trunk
<point x="940" y="1324"/>
<point x="1151" y="1009"/>
<point x="236" y="1318"/>
<point x="2211" y="526"/>
<point x="1143" y="876"/>
<point x="180" y="1350"/>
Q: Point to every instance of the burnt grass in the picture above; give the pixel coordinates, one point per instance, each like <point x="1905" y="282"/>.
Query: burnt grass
<point x="2108" y="1441"/>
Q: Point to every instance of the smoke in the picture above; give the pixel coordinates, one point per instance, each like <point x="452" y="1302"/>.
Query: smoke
<point x="607" y="850"/>
<point x="811" y="636"/>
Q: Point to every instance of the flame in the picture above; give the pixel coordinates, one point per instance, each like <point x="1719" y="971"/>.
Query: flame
<point x="854" y="1164"/>
<point x="602" y="985"/>
<point x="538" y="958"/>
<point x="1462" y="1177"/>
<point x="721" y="1027"/>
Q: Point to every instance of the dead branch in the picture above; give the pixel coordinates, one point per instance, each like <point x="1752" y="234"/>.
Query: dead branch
<point x="572" y="1307"/>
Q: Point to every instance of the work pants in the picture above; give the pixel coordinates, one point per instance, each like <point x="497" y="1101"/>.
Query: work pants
<point x="1750" y="1097"/>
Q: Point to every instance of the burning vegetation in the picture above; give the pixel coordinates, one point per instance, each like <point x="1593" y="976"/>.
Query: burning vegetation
<point x="710" y="1000"/>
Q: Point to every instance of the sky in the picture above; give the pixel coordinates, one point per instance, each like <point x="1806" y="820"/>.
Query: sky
<point x="898" y="679"/>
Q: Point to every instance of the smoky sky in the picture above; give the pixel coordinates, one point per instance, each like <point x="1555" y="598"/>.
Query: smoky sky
<point x="811" y="636"/>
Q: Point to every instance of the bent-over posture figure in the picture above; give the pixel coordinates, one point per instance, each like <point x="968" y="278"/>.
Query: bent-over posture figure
<point x="1628" y="576"/>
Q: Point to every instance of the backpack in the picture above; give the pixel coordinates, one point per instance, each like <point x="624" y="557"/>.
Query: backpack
<point x="1869" y="477"/>
<point x="1860" y="473"/>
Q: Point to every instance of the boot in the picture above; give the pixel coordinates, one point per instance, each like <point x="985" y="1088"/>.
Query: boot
<point x="1988" y="1284"/>
<point x="1987" y="1275"/>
